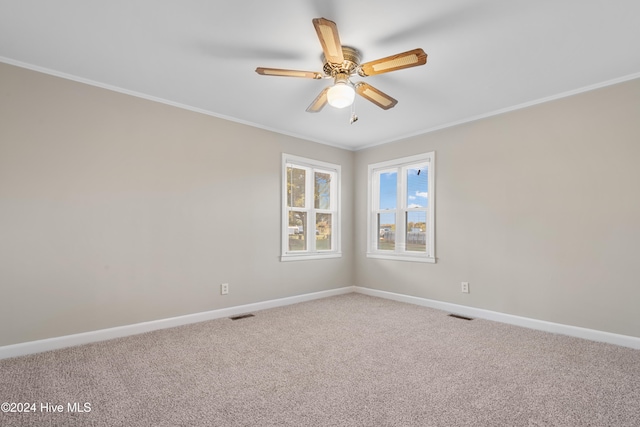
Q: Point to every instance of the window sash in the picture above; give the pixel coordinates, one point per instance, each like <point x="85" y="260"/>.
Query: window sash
<point x="402" y="247"/>
<point x="318" y="241"/>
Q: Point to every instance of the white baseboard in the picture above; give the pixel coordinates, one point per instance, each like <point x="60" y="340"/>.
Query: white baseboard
<point x="541" y="325"/>
<point x="39" y="346"/>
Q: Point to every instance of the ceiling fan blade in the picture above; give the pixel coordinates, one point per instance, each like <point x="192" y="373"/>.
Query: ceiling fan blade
<point x="379" y="98"/>
<point x="329" y="39"/>
<point x="409" y="59"/>
<point x="319" y="102"/>
<point x="288" y="73"/>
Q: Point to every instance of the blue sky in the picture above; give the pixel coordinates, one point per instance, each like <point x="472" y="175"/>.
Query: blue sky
<point x="416" y="189"/>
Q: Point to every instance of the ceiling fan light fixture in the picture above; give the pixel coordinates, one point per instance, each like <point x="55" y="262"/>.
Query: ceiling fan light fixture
<point x="341" y="95"/>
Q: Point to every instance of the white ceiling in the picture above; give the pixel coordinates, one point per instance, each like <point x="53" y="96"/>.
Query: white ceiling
<point x="485" y="56"/>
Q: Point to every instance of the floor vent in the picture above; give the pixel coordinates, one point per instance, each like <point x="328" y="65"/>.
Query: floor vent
<point x="242" y="316"/>
<point x="457" y="316"/>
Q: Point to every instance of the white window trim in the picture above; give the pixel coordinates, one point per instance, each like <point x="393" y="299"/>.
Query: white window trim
<point x="310" y="253"/>
<point x="372" y="232"/>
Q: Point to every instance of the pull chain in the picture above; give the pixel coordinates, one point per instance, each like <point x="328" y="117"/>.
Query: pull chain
<point x="354" y="117"/>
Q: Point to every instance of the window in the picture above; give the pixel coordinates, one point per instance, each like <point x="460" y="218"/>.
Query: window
<point x="310" y="211"/>
<point x="401" y="209"/>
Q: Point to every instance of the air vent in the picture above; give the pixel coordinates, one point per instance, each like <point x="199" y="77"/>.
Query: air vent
<point x="242" y="316"/>
<point x="457" y="316"/>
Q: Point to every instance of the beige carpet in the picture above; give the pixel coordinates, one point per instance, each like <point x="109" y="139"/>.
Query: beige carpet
<point x="350" y="360"/>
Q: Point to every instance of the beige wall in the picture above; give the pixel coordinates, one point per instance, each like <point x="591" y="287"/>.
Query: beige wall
<point x="116" y="210"/>
<point x="539" y="209"/>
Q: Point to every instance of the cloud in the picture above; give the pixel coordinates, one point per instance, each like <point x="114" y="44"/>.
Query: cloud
<point x="412" y="197"/>
<point x="422" y="194"/>
<point x="415" y="205"/>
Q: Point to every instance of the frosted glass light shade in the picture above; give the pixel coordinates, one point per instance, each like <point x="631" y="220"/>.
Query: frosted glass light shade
<point x="341" y="95"/>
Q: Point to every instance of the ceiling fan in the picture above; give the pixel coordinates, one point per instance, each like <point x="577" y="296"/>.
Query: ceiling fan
<point x="342" y="62"/>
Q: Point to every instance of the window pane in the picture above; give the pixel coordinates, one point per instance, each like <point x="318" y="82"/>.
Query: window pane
<point x="295" y="187"/>
<point x="297" y="231"/>
<point x="387" y="231"/>
<point x="417" y="187"/>
<point x="388" y="190"/>
<point x="322" y="194"/>
<point x="416" y="226"/>
<point x="323" y="232"/>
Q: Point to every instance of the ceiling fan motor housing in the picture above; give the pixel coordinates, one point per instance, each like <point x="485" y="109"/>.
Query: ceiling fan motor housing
<point x="348" y="66"/>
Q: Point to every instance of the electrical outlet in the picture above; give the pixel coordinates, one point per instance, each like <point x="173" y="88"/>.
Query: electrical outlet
<point x="465" y="287"/>
<point x="224" y="289"/>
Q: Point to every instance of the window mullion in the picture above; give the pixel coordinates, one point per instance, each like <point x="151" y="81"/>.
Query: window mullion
<point x="374" y="230"/>
<point x="309" y="205"/>
<point x="402" y="211"/>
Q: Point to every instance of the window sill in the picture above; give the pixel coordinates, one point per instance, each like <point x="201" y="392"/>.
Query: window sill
<point x="300" y="257"/>
<point x="402" y="257"/>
